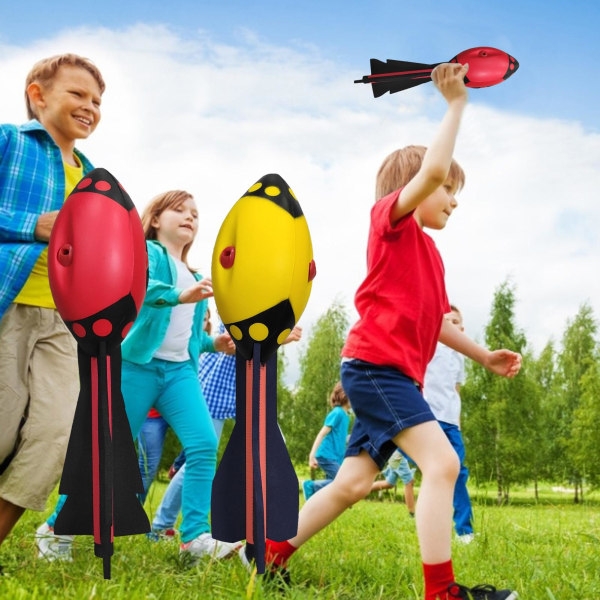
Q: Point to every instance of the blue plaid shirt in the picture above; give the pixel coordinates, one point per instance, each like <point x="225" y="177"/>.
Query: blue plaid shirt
<point x="217" y="377"/>
<point x="32" y="182"/>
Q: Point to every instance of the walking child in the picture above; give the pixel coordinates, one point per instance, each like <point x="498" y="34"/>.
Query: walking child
<point x="401" y="304"/>
<point x="328" y="449"/>
<point x="39" y="383"/>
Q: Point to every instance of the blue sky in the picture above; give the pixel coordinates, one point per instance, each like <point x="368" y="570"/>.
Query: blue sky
<point x="554" y="41"/>
<point x="209" y="97"/>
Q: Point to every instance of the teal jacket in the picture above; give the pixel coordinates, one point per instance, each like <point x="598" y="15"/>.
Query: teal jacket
<point x="149" y="329"/>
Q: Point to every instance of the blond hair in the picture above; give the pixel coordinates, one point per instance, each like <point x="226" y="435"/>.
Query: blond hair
<point x="402" y="165"/>
<point x="167" y="200"/>
<point x="44" y="71"/>
<point x="338" y="396"/>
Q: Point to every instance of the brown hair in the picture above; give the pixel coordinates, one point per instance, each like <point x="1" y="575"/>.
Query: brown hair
<point x="157" y="206"/>
<point x="44" y="71"/>
<point x="402" y="165"/>
<point x="338" y="396"/>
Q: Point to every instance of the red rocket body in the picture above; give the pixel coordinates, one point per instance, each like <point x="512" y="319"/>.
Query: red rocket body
<point x="98" y="271"/>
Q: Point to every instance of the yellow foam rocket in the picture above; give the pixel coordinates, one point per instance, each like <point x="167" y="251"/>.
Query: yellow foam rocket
<point x="262" y="272"/>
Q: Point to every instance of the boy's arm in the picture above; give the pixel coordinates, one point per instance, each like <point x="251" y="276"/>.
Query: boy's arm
<point x="312" y="460"/>
<point x="449" y="79"/>
<point x="501" y="362"/>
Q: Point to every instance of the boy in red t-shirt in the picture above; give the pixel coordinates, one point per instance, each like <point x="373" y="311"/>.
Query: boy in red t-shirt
<point x="401" y="304"/>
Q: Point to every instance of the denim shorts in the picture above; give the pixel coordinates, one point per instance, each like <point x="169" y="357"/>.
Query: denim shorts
<point x="385" y="401"/>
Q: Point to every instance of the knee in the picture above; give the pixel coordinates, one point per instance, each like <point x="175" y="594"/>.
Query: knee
<point x="202" y="446"/>
<point x="445" y="467"/>
<point x="353" y="490"/>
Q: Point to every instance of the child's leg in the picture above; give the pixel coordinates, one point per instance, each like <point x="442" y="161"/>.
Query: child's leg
<point x="184" y="408"/>
<point x="351" y="484"/>
<point x="428" y="446"/>
<point x="170" y="505"/>
<point x="151" y="440"/>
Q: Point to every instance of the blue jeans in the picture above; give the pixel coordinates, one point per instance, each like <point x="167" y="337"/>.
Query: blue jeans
<point x="174" y="390"/>
<point x="170" y="505"/>
<point x="330" y="467"/>
<point x="150" y="446"/>
<point x="463" y="513"/>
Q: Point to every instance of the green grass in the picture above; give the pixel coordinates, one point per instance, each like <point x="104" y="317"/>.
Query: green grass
<point x="546" y="551"/>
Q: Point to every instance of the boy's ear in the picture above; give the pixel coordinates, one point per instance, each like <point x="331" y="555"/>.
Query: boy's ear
<point x="35" y="95"/>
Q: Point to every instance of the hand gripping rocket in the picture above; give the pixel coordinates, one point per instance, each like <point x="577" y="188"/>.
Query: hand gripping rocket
<point x="262" y="269"/>
<point x="98" y="270"/>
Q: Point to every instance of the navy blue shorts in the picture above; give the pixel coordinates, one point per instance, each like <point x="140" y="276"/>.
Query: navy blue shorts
<point x="385" y="401"/>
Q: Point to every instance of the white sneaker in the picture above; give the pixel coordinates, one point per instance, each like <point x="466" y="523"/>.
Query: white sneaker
<point x="52" y="546"/>
<point x="206" y="545"/>
<point x="466" y="538"/>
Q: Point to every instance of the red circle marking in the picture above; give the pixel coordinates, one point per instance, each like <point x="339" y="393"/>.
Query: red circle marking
<point x="103" y="186"/>
<point x="84" y="183"/>
<point x="227" y="257"/>
<point x="102" y="327"/>
<point x="79" y="330"/>
<point x="126" y="329"/>
<point x="312" y="270"/>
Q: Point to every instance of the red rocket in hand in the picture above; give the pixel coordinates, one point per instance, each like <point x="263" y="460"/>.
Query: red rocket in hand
<point x="487" y="67"/>
<point x="98" y="270"/>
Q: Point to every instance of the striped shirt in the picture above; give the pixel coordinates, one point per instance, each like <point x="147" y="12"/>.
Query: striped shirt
<point x="32" y="182"/>
<point x="217" y="378"/>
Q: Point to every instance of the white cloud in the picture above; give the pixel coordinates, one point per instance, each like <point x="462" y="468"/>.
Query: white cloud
<point x="211" y="118"/>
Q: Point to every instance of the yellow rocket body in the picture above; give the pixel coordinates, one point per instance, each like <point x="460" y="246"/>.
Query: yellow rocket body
<point x="262" y="266"/>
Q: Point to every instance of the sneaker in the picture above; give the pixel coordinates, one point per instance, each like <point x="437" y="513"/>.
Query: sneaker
<point x="308" y="489"/>
<point x="156" y="535"/>
<point x="479" y="592"/>
<point x="52" y="546"/>
<point x="206" y="545"/>
<point x="465" y="538"/>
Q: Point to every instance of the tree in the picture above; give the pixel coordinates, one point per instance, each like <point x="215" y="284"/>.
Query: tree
<point x="496" y="411"/>
<point x="576" y="363"/>
<point x="302" y="413"/>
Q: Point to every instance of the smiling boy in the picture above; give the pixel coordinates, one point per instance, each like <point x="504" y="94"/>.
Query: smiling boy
<point x="39" y="167"/>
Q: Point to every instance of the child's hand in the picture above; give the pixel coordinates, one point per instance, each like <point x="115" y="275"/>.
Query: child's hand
<point x="312" y="462"/>
<point x="198" y="291"/>
<point x="224" y="343"/>
<point x="503" y="362"/>
<point x="294" y="335"/>
<point x="449" y="79"/>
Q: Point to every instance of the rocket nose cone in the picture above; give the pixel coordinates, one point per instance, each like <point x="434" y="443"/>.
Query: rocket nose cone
<point x="513" y="64"/>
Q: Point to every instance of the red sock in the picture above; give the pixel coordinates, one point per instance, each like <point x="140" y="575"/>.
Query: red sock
<point x="278" y="552"/>
<point x="437" y="579"/>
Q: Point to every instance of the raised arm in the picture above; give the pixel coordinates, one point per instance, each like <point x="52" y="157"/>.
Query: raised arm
<point x="501" y="362"/>
<point x="448" y="78"/>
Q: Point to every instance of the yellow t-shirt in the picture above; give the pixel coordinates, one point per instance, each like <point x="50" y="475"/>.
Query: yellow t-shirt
<point x="36" y="291"/>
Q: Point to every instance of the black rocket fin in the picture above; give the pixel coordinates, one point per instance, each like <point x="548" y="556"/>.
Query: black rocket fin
<point x="228" y="501"/>
<point x="282" y="482"/>
<point x="379" y="67"/>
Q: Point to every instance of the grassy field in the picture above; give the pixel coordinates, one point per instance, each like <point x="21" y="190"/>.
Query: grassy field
<point x="546" y="551"/>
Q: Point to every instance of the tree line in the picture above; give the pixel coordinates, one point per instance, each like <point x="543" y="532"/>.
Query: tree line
<point x="543" y="425"/>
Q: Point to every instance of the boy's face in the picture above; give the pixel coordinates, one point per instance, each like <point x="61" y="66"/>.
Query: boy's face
<point x="436" y="209"/>
<point x="69" y="108"/>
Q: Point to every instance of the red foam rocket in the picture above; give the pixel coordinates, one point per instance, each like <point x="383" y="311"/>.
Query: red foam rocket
<point x="98" y="271"/>
<point x="487" y="67"/>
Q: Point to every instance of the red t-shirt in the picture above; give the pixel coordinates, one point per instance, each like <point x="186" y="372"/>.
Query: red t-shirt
<point x="153" y="413"/>
<point x="402" y="301"/>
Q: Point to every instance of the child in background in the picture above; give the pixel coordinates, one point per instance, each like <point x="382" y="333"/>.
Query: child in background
<point x="401" y="305"/>
<point x="444" y="375"/>
<point x="398" y="468"/>
<point x="39" y="383"/>
<point x="329" y="447"/>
